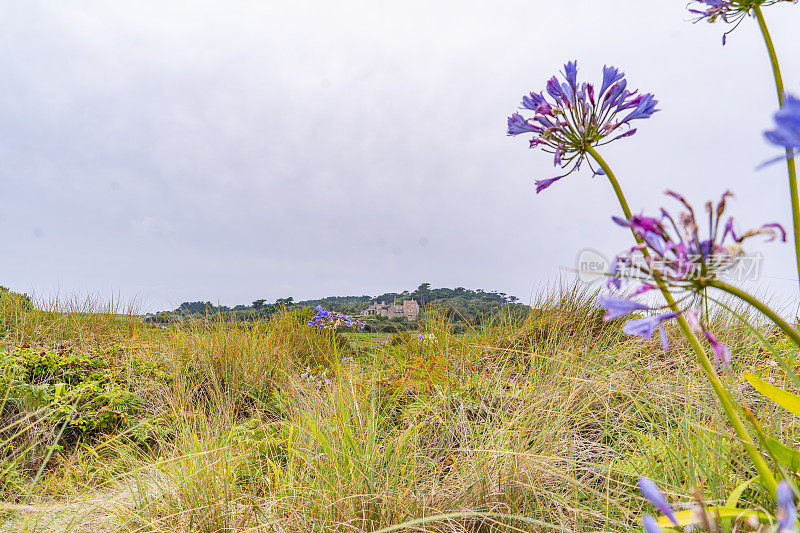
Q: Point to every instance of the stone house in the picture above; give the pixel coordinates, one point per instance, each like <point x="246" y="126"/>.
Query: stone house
<point x="408" y="309"/>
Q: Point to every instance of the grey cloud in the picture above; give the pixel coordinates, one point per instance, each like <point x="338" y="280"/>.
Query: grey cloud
<point x="228" y="151"/>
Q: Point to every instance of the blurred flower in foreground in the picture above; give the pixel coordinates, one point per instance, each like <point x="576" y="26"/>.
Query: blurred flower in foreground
<point x="653" y="494"/>
<point x="576" y="117"/>
<point x="650" y="524"/>
<point x="324" y="319"/>
<point x="671" y="250"/>
<point x="728" y="11"/>
<point x="787" y="512"/>
<point x="787" y="128"/>
<point x="702" y="518"/>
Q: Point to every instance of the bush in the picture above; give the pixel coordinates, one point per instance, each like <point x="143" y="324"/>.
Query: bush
<point x="60" y="387"/>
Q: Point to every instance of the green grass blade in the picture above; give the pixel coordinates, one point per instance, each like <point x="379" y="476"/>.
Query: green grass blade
<point x="787" y="400"/>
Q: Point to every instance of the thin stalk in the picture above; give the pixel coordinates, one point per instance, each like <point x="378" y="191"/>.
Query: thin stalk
<point x="725" y="399"/>
<point x="793" y="193"/>
<point x="775" y="353"/>
<point x="773" y="57"/>
<point x="787" y="328"/>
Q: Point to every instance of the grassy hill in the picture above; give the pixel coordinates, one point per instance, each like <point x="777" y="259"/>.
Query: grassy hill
<point x="532" y="422"/>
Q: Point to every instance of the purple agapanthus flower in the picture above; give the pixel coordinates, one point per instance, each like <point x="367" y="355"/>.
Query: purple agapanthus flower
<point x="714" y="10"/>
<point x="728" y="11"/>
<point x="681" y="253"/>
<point x="572" y="116"/>
<point x="787" y="128"/>
<point x="325" y="319"/>
<point x="653" y="494"/>
<point x="787" y="512"/>
<point x="672" y="250"/>
<point x="650" y="524"/>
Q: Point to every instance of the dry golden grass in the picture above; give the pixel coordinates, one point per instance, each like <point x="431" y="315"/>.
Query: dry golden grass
<point x="524" y="424"/>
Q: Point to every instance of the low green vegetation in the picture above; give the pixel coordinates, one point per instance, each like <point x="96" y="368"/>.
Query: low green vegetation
<point x="524" y="422"/>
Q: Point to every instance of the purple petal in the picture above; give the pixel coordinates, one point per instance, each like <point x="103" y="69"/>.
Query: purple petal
<point x="517" y="125"/>
<point x="650" y="524"/>
<point x="662" y="334"/>
<point x="787" y="512"/>
<point x="653" y="494"/>
<point x="618" y="307"/>
<point x="543" y="184"/>
<point x="644" y="327"/>
<point x="722" y="354"/>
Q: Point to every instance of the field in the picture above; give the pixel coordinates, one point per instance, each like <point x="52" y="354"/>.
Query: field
<point x="535" y="423"/>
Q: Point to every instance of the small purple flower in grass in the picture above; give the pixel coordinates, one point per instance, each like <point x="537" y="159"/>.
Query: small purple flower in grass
<point x="650" y="524"/>
<point x="656" y="498"/>
<point x="662" y="336"/>
<point x="324" y="319"/>
<point x="576" y="117"/>
<point x="787" y="512"/>
<point x="427" y="338"/>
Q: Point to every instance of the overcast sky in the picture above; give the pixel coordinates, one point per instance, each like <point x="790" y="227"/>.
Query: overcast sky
<point x="168" y="151"/>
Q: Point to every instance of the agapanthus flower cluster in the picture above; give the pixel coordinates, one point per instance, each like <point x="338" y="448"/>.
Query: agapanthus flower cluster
<point x="671" y="250"/>
<point x="787" y="127"/>
<point x="573" y="116"/>
<point x="427" y="338"/>
<point x="318" y="375"/>
<point x="676" y="251"/>
<point x="728" y="11"/>
<point x="325" y="319"/>
<point x="786" y="512"/>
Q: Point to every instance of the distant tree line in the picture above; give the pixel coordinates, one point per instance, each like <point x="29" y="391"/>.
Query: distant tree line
<point x="460" y="305"/>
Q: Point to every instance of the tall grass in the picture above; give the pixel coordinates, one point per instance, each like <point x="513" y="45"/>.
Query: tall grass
<point x="524" y="423"/>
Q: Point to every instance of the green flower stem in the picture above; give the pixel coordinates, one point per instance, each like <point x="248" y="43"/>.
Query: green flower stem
<point x="787" y="328"/>
<point x="775" y="353"/>
<point x="776" y="68"/>
<point x="728" y="405"/>
<point x="793" y="193"/>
